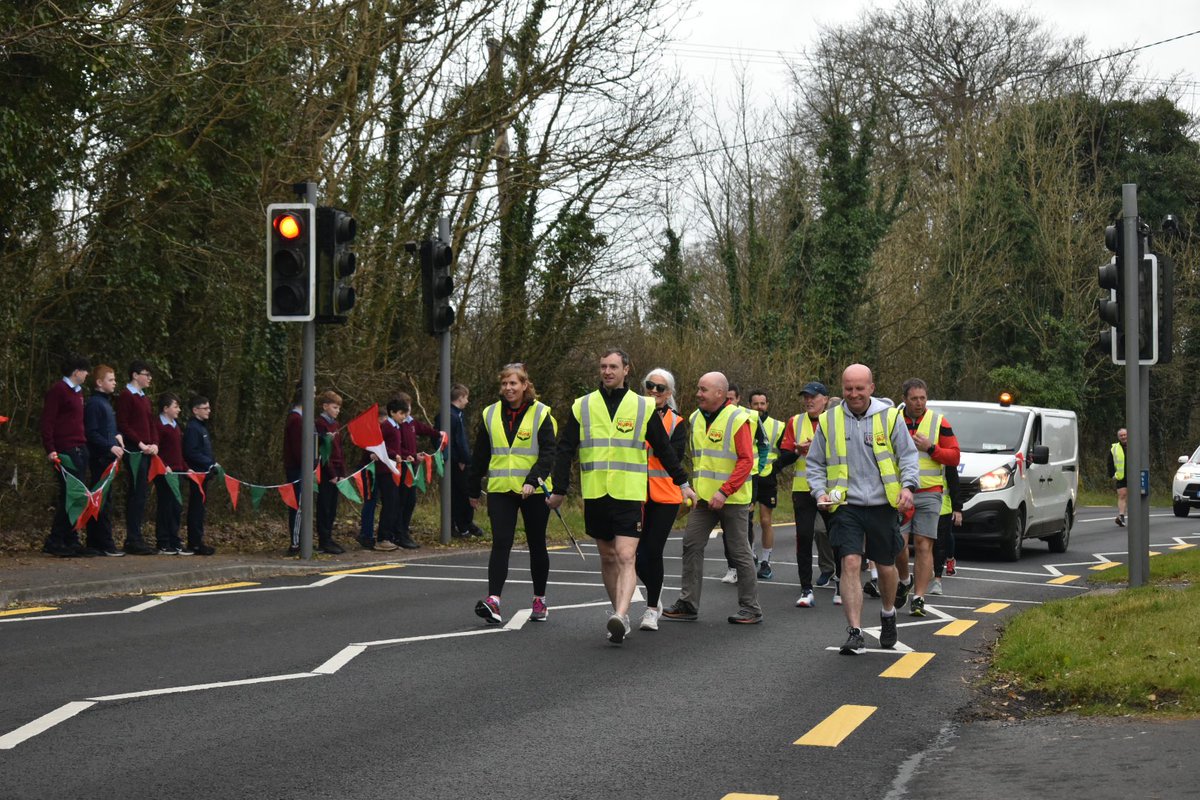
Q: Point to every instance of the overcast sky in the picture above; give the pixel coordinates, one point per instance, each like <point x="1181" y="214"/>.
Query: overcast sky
<point x="720" y="35"/>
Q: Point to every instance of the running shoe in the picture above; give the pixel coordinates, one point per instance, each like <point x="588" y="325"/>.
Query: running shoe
<point x="951" y="567"/>
<point x="855" y="644"/>
<point x="806" y="599"/>
<point x="746" y="617"/>
<point x="765" y="573"/>
<point x="540" y="612"/>
<point x="618" y="628"/>
<point x="1120" y="520"/>
<point x="902" y="591"/>
<point x="837" y="593"/>
<point x="650" y="618"/>
<point x="823" y="578"/>
<point x="936" y="586"/>
<point x="887" y="631"/>
<point x="871" y="589"/>
<point x="489" y="609"/>
<point x="730" y="576"/>
<point x="681" y="611"/>
<point x="917" y="607"/>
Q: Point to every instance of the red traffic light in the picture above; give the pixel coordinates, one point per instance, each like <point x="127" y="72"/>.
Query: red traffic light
<point x="288" y="226"/>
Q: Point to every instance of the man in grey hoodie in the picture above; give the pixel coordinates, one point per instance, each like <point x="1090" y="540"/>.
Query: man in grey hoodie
<point x="862" y="466"/>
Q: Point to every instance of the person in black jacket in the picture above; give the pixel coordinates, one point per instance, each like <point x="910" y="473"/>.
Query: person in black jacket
<point x="198" y="453"/>
<point x="461" y="511"/>
<point x="105" y="446"/>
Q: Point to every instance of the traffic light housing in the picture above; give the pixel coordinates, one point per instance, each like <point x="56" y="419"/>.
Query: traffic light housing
<point x="1112" y="309"/>
<point x="291" y="262"/>
<point x="437" y="285"/>
<point x="336" y="264"/>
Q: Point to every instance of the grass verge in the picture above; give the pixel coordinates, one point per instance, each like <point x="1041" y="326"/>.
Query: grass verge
<point x="1131" y="651"/>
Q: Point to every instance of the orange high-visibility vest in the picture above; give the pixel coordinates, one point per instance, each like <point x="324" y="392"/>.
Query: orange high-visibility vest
<point x="662" y="488"/>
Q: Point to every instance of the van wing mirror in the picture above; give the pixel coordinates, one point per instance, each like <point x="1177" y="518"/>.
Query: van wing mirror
<point x="1039" y="454"/>
<point x="1183" y="459"/>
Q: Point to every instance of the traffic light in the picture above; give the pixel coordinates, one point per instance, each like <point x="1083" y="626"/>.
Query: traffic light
<point x="437" y="285"/>
<point x="291" y="261"/>
<point x="1112" y="309"/>
<point x="336" y="263"/>
<point x="1147" y="333"/>
<point x="1166" y="307"/>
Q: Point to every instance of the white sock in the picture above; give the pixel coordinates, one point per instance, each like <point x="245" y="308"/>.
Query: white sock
<point x="891" y="613"/>
<point x="767" y="554"/>
<point x="874" y="574"/>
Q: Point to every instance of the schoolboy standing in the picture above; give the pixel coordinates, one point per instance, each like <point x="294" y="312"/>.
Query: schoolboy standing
<point x="66" y="446"/>
<point x="105" y="446"/>
<point x="198" y="454"/>
<point x="136" y="424"/>
<point x="170" y="450"/>
<point x="293" y="443"/>
<point x="332" y="471"/>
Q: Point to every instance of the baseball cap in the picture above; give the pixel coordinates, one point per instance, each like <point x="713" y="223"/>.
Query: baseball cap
<point x="814" y="388"/>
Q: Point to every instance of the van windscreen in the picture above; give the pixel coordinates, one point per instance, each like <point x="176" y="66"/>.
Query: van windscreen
<point x="986" y="430"/>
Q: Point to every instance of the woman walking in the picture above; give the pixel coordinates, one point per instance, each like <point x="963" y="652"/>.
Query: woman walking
<point x="514" y="448"/>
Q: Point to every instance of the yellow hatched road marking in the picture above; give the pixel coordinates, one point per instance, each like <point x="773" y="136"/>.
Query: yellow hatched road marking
<point x="559" y="547"/>
<point x="744" y="796"/>
<point x="907" y="666"/>
<point x="206" y="589"/>
<point x="1182" y="546"/>
<point x="837" y="726"/>
<point x="1105" y="565"/>
<point x="32" y="610"/>
<point x="1064" y="579"/>
<point x="956" y="628"/>
<point x="992" y="608"/>
<point x="357" y="570"/>
<point x="1155" y="553"/>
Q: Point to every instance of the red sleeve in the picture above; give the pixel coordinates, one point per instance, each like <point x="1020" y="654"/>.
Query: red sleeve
<point x="946" y="451"/>
<point x="744" y="447"/>
<point x="788" y="442"/>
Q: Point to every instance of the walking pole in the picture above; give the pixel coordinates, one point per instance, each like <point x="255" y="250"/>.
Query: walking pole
<point x="578" y="549"/>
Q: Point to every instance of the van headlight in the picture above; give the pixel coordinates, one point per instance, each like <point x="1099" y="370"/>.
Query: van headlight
<point x="1187" y="475"/>
<point x="997" y="479"/>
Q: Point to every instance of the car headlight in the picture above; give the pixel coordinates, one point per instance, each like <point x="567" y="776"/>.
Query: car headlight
<point x="1186" y="475"/>
<point x="997" y="479"/>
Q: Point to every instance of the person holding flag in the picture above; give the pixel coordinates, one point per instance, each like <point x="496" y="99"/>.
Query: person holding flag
<point x="170" y="503"/>
<point x="514" y="448"/>
<point x="333" y="470"/>
<point x="105" y="448"/>
<point x="65" y="442"/>
<point x="366" y="431"/>
<point x="138" y="428"/>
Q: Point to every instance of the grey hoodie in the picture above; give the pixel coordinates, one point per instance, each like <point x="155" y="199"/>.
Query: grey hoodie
<point x="866" y="487"/>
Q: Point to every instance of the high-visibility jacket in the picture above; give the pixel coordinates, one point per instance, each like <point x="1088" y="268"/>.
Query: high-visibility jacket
<point x="802" y="430"/>
<point x="510" y="464"/>
<point x="662" y="487"/>
<point x="612" y="450"/>
<point x="1118" y="457"/>
<point x="837" y="468"/>
<point x="772" y="429"/>
<point x="714" y="454"/>
<point x="931" y="474"/>
<point x="754" y="426"/>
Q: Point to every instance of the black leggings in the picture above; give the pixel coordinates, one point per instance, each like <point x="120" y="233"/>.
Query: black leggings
<point x="502" y="511"/>
<point x="943" y="548"/>
<point x="657" y="519"/>
<point x="804" y="507"/>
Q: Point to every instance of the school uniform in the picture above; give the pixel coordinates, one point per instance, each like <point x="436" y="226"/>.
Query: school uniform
<point x="390" y="495"/>
<point x="293" y="446"/>
<point x="409" y="430"/>
<point x="169" y="510"/>
<point x="333" y="469"/>
<point x="198" y="454"/>
<point x="63" y="433"/>
<point x="100" y="427"/>
<point x="137" y="425"/>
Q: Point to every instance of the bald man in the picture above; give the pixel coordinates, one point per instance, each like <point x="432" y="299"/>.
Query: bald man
<point x="862" y="467"/>
<point x="723" y="453"/>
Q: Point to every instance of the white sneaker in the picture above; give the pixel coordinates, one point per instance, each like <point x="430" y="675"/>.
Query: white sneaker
<point x="936" y="586"/>
<point x="806" y="599"/>
<point x="837" y="594"/>
<point x="730" y="576"/>
<point x="650" y="619"/>
<point x="617" y="628"/>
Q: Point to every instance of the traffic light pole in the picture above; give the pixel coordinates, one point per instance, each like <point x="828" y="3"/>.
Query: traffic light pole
<point x="444" y="401"/>
<point x="308" y="381"/>
<point x="1137" y="402"/>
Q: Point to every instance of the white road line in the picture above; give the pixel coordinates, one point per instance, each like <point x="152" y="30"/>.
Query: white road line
<point x="200" y="687"/>
<point x="43" y="723"/>
<point x="158" y="601"/>
<point x="518" y="620"/>
<point x="341" y="659"/>
<point x="432" y="636"/>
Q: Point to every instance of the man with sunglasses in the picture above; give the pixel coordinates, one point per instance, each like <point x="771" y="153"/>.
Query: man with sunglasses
<point x="609" y="429"/>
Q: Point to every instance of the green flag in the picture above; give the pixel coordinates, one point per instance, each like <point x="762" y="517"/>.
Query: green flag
<point x="256" y="495"/>
<point x="77" y="496"/>
<point x="66" y="461"/>
<point x="135" y="461"/>
<point x="326" y="447"/>
<point x="348" y="490"/>
<point x="172" y="480"/>
<point x="438" y="459"/>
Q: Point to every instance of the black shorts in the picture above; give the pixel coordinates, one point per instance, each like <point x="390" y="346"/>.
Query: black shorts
<point x="1121" y="484"/>
<point x="873" y="531"/>
<point x="606" y="517"/>
<point x="766" y="489"/>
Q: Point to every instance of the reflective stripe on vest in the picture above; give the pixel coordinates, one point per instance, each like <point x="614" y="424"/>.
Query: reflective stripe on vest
<point x="662" y="488"/>
<point x="511" y="464"/>
<point x="837" y="468"/>
<point x="714" y="453"/>
<point x="754" y="426"/>
<point x="931" y="473"/>
<point x="773" y="428"/>
<point x="802" y="430"/>
<point x="1118" y="456"/>
<point x="612" y="451"/>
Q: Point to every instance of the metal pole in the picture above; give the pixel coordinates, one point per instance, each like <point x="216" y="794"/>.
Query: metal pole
<point x="1139" y="517"/>
<point x="308" y="380"/>
<point x="444" y="412"/>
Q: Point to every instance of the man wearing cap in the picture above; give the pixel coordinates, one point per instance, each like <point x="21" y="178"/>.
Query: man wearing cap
<point x="793" y="448"/>
<point x="862" y="466"/>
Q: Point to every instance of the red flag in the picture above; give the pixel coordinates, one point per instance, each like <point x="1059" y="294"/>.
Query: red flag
<point x="198" y="479"/>
<point x="288" y="493"/>
<point x="232" y="486"/>
<point x="364" y="429"/>
<point x="112" y="468"/>
<point x="317" y="476"/>
<point x="358" y="482"/>
<point x="3" y="420"/>
<point x="157" y="467"/>
<point x="428" y="471"/>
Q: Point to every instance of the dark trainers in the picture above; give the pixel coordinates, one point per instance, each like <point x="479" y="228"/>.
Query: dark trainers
<point x="917" y="607"/>
<point x="332" y="548"/>
<point x="823" y="578"/>
<point x="855" y="644"/>
<point x="765" y="573"/>
<point x="902" y="593"/>
<point x="489" y="609"/>
<point x="887" y="631"/>
<point x="681" y="611"/>
<point x="871" y="589"/>
<point x="745" y="616"/>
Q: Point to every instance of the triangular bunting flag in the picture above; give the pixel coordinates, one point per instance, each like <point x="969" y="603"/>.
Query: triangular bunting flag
<point x="198" y="479"/>
<point x="348" y="491"/>
<point x="111" y="469"/>
<point x="256" y="495"/>
<point x="365" y="432"/>
<point x="233" y="486"/>
<point x="408" y="475"/>
<point x="3" y="420"/>
<point x="135" y="463"/>
<point x="288" y="493"/>
<point x="157" y="467"/>
<point x="419" y="477"/>
<point x="66" y="461"/>
<point x="439" y="460"/>
<point x="428" y="464"/>
<point x="317" y="476"/>
<point x="358" y="484"/>
<point x="172" y="479"/>
<point x="77" y="496"/>
<point x="325" y="446"/>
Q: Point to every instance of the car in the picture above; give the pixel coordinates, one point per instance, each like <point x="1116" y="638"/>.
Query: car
<point x="1185" y="489"/>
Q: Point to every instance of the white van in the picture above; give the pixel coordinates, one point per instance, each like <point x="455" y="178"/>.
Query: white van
<point x="1019" y="473"/>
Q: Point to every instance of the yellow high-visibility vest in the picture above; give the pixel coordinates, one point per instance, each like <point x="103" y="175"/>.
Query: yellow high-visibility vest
<point x="612" y="450"/>
<point x="837" y="468"/>
<point x="1118" y="455"/>
<point x="714" y="454"/>
<point x="930" y="473"/>
<point x="802" y="430"/>
<point x="773" y="429"/>
<point x="510" y="464"/>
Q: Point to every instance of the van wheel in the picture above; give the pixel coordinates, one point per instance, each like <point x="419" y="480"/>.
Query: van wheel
<point x="1182" y="509"/>
<point x="1059" y="541"/>
<point x="1011" y="549"/>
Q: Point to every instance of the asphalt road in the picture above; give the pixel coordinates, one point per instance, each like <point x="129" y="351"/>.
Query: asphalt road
<point x="384" y="683"/>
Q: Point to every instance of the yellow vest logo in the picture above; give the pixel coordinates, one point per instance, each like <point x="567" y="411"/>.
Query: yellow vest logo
<point x="624" y="425"/>
<point x="880" y="439"/>
<point x="524" y="434"/>
<point x="716" y="436"/>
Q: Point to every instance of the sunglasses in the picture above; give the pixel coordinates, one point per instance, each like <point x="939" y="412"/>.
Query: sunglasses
<point x="514" y="365"/>
<point x="656" y="387"/>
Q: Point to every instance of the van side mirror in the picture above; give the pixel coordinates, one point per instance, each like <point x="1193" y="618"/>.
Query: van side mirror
<point x="1183" y="459"/>
<point x="1039" y="454"/>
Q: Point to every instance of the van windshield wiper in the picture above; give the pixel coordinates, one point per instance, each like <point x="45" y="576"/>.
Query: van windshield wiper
<point x="996" y="449"/>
